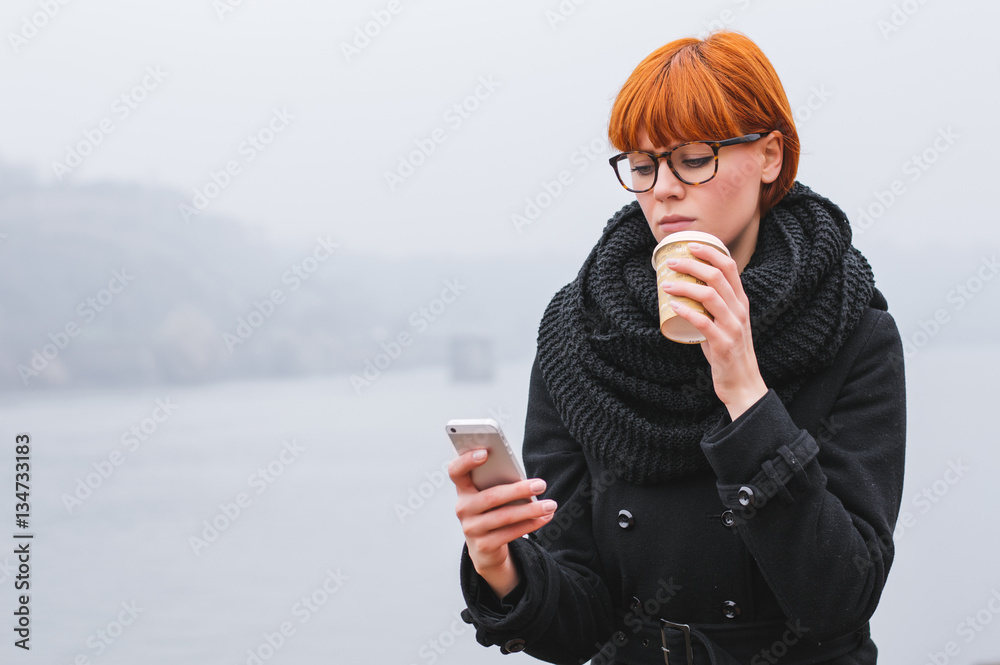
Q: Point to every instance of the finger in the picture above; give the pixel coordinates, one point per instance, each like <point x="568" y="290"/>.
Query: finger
<point x="720" y="309"/>
<point x="717" y="259"/>
<point x="500" y="518"/>
<point x="706" y="326"/>
<point x="731" y="307"/>
<point x="707" y="273"/>
<point x="500" y="537"/>
<point x="717" y="339"/>
<point x="696" y="318"/>
<point x="498" y="495"/>
<point x="460" y="469"/>
<point x="723" y="262"/>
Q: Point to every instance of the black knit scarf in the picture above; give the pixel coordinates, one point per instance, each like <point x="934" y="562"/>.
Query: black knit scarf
<point x="639" y="403"/>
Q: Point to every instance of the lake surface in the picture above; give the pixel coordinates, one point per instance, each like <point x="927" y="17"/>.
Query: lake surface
<point x="300" y="522"/>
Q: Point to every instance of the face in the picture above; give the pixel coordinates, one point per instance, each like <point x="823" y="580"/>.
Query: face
<point x="727" y="206"/>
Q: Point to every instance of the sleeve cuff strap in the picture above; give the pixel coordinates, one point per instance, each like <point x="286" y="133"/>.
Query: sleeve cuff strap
<point x="737" y="450"/>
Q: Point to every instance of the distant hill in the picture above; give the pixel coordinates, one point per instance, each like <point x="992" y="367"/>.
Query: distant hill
<point x="107" y="285"/>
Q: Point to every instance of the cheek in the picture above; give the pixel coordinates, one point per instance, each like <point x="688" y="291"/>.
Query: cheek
<point x="646" y="203"/>
<point x="740" y="184"/>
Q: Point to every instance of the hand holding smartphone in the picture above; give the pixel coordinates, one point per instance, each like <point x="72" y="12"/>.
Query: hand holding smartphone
<point x="501" y="465"/>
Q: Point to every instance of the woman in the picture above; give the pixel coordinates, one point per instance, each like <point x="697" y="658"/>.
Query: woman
<point x="732" y="503"/>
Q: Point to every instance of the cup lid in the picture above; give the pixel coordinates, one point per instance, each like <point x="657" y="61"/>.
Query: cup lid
<point x="690" y="236"/>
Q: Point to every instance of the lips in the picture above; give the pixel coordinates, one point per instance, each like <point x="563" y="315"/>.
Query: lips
<point x="674" y="223"/>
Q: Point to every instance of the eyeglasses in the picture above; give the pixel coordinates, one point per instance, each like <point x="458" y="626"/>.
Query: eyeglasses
<point x="694" y="163"/>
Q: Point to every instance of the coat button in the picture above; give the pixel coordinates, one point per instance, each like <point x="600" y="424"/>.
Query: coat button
<point x="514" y="645"/>
<point x="745" y="495"/>
<point x="728" y="519"/>
<point x="635" y="605"/>
<point x="730" y="610"/>
<point x="625" y="519"/>
<point x="619" y="638"/>
<point x="645" y="642"/>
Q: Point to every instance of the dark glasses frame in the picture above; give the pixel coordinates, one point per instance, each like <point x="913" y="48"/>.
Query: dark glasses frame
<point x="656" y="157"/>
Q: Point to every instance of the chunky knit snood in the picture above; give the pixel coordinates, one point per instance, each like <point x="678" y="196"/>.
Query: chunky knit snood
<point x="639" y="403"/>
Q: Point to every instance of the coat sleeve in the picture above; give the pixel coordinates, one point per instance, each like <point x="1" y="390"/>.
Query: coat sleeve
<point x="818" y="515"/>
<point x="561" y="610"/>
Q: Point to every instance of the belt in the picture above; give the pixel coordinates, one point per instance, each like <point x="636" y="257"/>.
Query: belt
<point x="721" y="644"/>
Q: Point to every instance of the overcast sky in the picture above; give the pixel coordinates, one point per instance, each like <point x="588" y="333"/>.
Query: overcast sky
<point x="172" y="93"/>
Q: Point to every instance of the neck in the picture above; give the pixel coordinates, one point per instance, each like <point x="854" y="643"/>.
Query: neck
<point x="743" y="246"/>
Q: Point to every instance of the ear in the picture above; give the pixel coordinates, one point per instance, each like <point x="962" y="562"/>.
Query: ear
<point x="772" y="155"/>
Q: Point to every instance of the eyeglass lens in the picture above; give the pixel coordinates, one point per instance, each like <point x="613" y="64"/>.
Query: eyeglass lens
<point x="693" y="162"/>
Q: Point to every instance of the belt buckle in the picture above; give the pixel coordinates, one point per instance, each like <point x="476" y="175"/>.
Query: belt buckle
<point x="684" y="628"/>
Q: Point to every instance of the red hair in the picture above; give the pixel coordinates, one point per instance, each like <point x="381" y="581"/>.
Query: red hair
<point x="718" y="88"/>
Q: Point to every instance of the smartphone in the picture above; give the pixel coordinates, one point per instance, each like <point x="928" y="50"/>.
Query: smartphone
<point x="501" y="466"/>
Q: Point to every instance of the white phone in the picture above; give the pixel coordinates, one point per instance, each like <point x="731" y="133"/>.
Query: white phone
<point x="501" y="466"/>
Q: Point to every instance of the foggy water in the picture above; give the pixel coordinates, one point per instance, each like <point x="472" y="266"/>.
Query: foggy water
<point x="347" y="541"/>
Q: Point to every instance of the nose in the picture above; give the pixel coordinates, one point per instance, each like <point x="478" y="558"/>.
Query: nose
<point x="667" y="184"/>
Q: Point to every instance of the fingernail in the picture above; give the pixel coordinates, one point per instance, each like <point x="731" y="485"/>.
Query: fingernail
<point x="479" y="455"/>
<point x="693" y="245"/>
<point x="537" y="486"/>
<point x="549" y="506"/>
<point x="667" y="285"/>
<point x="676" y="305"/>
<point x="671" y="262"/>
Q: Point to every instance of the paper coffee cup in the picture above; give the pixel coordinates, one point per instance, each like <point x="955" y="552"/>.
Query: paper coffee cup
<point x="674" y="246"/>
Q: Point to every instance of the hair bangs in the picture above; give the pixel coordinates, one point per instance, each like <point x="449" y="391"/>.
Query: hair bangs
<point x="674" y="99"/>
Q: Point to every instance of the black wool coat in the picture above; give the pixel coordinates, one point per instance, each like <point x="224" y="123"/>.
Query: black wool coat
<point x="778" y="554"/>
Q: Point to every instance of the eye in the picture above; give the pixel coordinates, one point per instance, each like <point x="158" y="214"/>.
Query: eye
<point x="643" y="169"/>
<point x="697" y="162"/>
